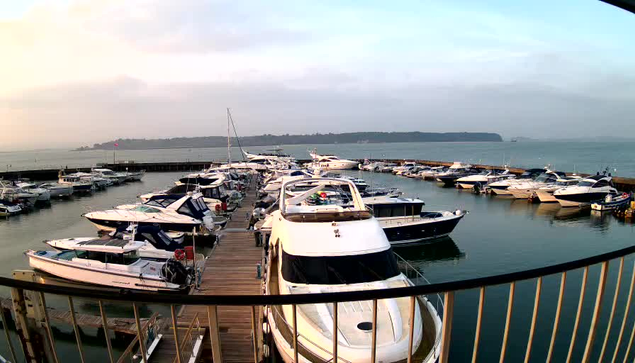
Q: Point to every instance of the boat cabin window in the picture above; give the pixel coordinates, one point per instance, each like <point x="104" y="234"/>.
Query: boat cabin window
<point x="399" y="210"/>
<point x="193" y="208"/>
<point x="104" y="257"/>
<point x="337" y="270"/>
<point x="586" y="183"/>
<point x="601" y="183"/>
<point x="211" y="192"/>
<point x="163" y="202"/>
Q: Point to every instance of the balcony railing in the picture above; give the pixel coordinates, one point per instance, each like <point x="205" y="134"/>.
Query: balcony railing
<point x="28" y="296"/>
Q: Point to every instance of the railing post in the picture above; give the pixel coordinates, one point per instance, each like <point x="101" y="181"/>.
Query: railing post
<point x="78" y="337"/>
<point x="534" y="316"/>
<point x="175" y="331"/>
<point x="596" y="312"/>
<point x="578" y="313"/>
<point x="556" y="319"/>
<point x="373" y="352"/>
<point x="142" y="342"/>
<point x="295" y="332"/>
<point x="47" y="324"/>
<point x="508" y="319"/>
<point x="411" y="333"/>
<point x="6" y="333"/>
<point x="22" y="326"/>
<point x="335" y="332"/>
<point x="479" y="320"/>
<point x="613" y="306"/>
<point x="626" y="311"/>
<point x="254" y="334"/>
<point x="104" y="323"/>
<point x="214" y="333"/>
<point x="446" y="333"/>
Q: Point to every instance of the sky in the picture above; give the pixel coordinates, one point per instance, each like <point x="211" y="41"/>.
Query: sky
<point x="75" y="73"/>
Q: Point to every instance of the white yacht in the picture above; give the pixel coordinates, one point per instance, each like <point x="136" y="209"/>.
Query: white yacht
<point x="79" y="183"/>
<point x="398" y="170"/>
<point x="431" y="173"/>
<point x="526" y="189"/>
<point x="57" y="190"/>
<point x="179" y="214"/>
<point x="501" y="187"/>
<point x="113" y="263"/>
<point x="43" y="195"/>
<point x="13" y="193"/>
<point x="8" y="208"/>
<point x="331" y="162"/>
<point x="545" y="194"/>
<point x="324" y="248"/>
<point x="404" y="221"/>
<point x="484" y="178"/>
<point x="114" y="177"/>
<point x="588" y="190"/>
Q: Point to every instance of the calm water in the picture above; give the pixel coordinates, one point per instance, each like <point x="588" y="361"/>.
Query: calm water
<point x="586" y="157"/>
<point x="498" y="236"/>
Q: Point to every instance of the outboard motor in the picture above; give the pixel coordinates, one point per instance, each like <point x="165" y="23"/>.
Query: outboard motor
<point x="176" y="273"/>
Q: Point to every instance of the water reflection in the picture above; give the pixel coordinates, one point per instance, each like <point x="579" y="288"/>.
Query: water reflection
<point x="443" y="249"/>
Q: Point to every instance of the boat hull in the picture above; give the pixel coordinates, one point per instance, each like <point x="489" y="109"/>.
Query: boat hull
<point x="405" y="230"/>
<point x="96" y="277"/>
<point x="111" y="225"/>
<point x="579" y="200"/>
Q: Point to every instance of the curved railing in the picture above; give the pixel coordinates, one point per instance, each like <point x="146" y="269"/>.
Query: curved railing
<point x="447" y="289"/>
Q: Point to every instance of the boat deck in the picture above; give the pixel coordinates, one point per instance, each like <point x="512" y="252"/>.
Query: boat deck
<point x="230" y="270"/>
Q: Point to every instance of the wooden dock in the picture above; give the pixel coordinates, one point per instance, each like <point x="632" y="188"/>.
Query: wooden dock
<point x="230" y="270"/>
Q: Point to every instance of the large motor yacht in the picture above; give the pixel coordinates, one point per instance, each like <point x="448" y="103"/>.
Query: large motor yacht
<point x="319" y="246"/>
<point x="545" y="194"/>
<point x="588" y="190"/>
<point x="501" y="187"/>
<point x="404" y="221"/>
<point x="527" y="189"/>
<point x="332" y="162"/>
<point x="484" y="178"/>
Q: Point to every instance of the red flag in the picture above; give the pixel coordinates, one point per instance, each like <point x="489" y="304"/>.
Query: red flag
<point x="116" y="144"/>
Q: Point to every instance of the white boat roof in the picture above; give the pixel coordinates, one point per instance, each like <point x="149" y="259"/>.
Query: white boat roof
<point x="106" y="245"/>
<point x="385" y="199"/>
<point x="319" y="239"/>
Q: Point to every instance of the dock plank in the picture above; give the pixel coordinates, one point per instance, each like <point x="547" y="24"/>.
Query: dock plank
<point x="230" y="270"/>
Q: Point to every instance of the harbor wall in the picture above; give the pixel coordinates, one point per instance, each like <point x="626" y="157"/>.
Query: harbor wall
<point x="621" y="183"/>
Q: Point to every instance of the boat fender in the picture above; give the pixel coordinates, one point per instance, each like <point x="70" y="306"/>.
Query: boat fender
<point x="179" y="254"/>
<point x="265" y="350"/>
<point x="217" y="207"/>
<point x="265" y="328"/>
<point x="458" y="212"/>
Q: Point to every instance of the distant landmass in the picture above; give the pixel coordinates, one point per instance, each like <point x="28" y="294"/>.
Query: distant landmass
<point x="268" y="139"/>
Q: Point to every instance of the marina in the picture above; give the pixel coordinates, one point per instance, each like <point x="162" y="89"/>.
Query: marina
<point x="237" y="260"/>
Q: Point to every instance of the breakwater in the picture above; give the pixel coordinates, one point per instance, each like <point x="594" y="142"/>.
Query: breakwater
<point x="621" y="183"/>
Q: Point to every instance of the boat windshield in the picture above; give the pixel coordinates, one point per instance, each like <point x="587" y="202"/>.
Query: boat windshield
<point x="339" y="270"/>
<point x="586" y="183"/>
<point x="146" y="209"/>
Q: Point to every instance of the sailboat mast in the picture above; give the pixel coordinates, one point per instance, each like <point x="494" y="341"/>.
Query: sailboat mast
<point x="229" y="153"/>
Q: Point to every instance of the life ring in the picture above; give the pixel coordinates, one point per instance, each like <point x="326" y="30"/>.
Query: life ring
<point x="179" y="254"/>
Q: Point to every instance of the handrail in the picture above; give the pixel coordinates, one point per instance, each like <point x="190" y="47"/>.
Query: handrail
<point x="248" y="300"/>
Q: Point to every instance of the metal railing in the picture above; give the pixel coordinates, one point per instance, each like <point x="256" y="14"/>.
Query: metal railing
<point x="32" y="321"/>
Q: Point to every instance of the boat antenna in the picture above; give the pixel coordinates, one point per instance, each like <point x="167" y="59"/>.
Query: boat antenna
<point x="229" y="152"/>
<point x="231" y="119"/>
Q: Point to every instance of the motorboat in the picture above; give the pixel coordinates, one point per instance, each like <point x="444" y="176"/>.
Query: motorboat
<point x="43" y="195"/>
<point x="404" y="221"/>
<point x="500" y="187"/>
<point x="319" y="247"/>
<point x="79" y="183"/>
<point x="158" y="244"/>
<point x="527" y="189"/>
<point x="163" y="202"/>
<point x="114" y="263"/>
<point x="13" y="193"/>
<point x="135" y="176"/>
<point x="99" y="183"/>
<point x="332" y="162"/>
<point x="588" y="190"/>
<point x="57" y="190"/>
<point x="8" y="208"/>
<point x="455" y="171"/>
<point x="115" y="177"/>
<point x="431" y="173"/>
<point x="398" y="170"/>
<point x="545" y="194"/>
<point x="611" y="202"/>
<point x="483" y="179"/>
<point x="172" y="213"/>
